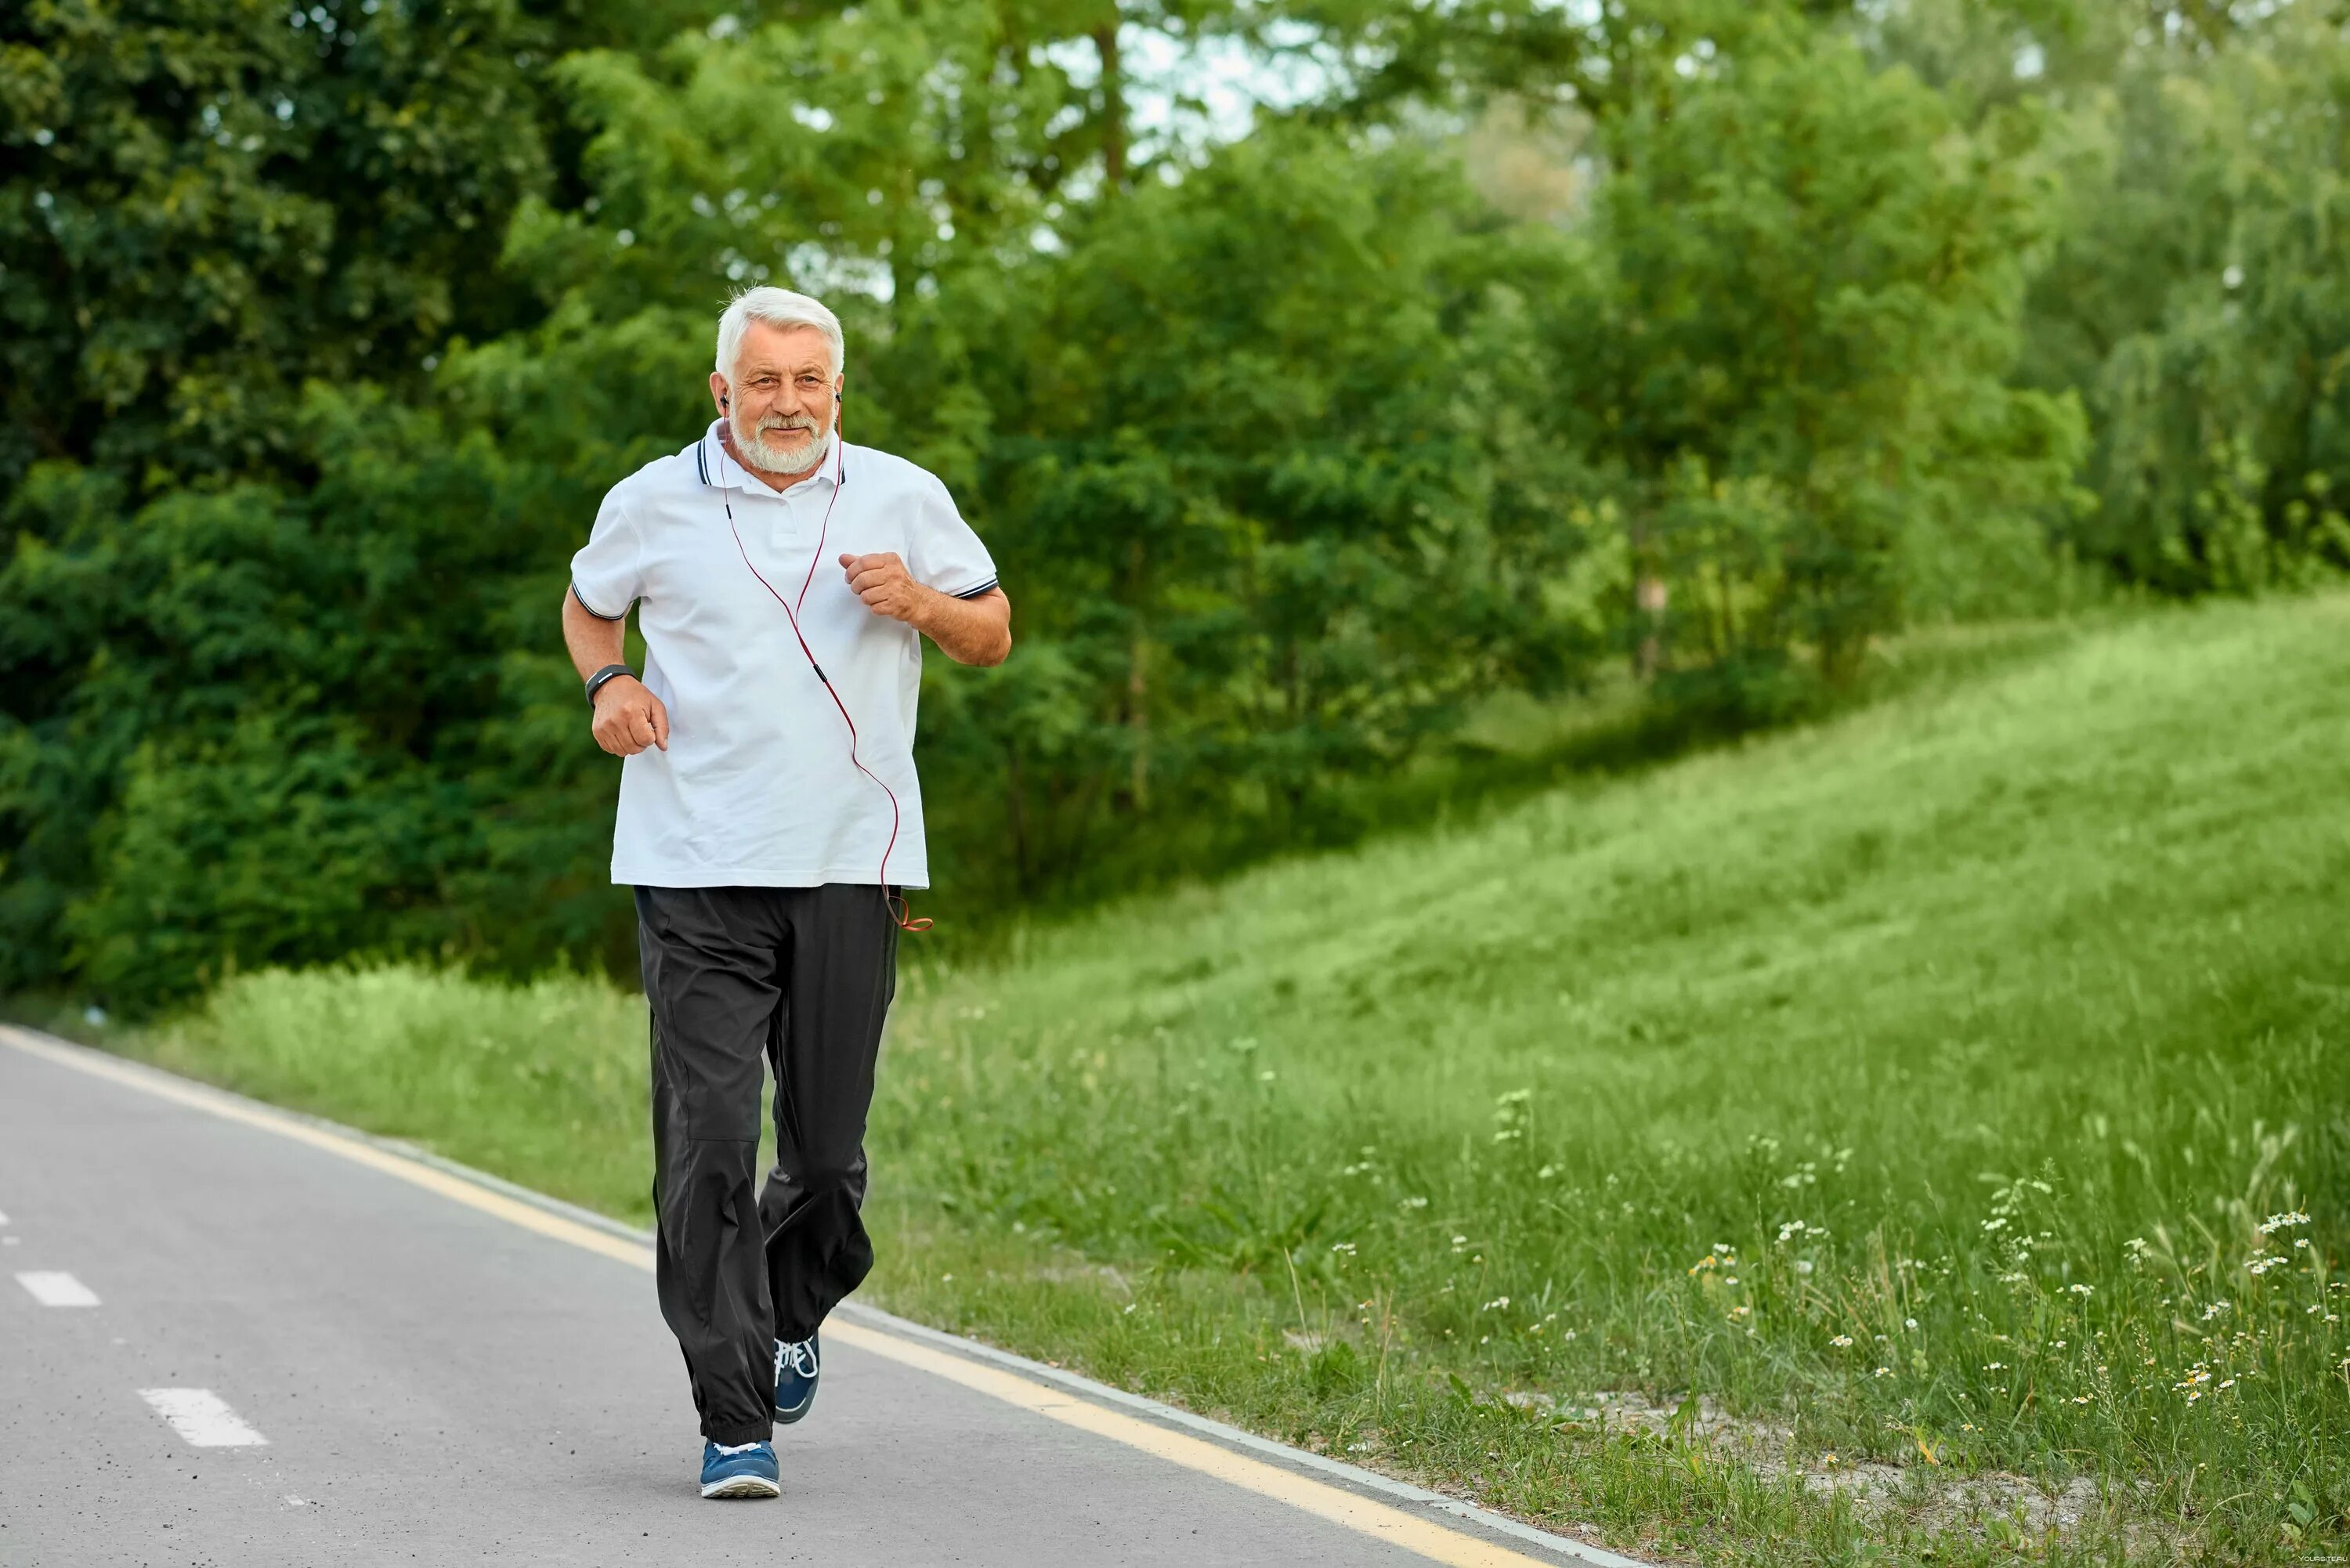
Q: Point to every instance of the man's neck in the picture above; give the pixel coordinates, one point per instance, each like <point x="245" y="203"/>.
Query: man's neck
<point x="772" y="481"/>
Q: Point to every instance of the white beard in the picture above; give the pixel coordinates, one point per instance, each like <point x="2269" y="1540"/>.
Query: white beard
<point x="797" y="451"/>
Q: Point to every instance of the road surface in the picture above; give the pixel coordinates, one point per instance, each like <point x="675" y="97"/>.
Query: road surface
<point x="230" y="1336"/>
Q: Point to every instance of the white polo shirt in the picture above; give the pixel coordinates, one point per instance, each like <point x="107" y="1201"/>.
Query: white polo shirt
<point x="757" y="788"/>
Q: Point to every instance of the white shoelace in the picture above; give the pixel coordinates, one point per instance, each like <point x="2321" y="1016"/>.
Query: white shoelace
<point x="800" y="1354"/>
<point x="737" y="1448"/>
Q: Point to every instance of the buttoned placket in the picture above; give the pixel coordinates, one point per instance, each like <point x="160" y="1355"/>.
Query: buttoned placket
<point x="776" y="545"/>
<point x="792" y="529"/>
<point x="783" y="533"/>
<point x="794" y="505"/>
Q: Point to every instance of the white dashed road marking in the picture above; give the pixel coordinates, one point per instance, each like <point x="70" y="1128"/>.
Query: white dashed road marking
<point x="57" y="1290"/>
<point x="203" y="1417"/>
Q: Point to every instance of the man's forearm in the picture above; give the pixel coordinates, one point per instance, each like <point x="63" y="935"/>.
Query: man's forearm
<point x="593" y="641"/>
<point x="969" y="631"/>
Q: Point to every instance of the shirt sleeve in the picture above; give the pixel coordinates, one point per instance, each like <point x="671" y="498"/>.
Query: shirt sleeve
<point x="605" y="575"/>
<point x="942" y="551"/>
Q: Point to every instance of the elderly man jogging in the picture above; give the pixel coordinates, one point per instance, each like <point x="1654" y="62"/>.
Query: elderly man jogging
<point x="784" y="581"/>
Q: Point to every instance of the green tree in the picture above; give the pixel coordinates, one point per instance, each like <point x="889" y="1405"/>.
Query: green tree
<point x="227" y="232"/>
<point x="1799" y="359"/>
<point x="2198" y="299"/>
<point x="204" y="209"/>
<point x="1255" y="429"/>
<point x="268" y="753"/>
<point x="206" y="204"/>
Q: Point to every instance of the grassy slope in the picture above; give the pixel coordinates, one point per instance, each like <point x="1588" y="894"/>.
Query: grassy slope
<point x="2006" y="1012"/>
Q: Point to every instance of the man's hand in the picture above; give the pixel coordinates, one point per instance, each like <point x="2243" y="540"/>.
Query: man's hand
<point x="880" y="580"/>
<point x="629" y="718"/>
<point x="976" y="631"/>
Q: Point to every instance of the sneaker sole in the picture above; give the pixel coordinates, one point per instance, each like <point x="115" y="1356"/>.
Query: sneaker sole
<point x="743" y="1486"/>
<point x="786" y="1418"/>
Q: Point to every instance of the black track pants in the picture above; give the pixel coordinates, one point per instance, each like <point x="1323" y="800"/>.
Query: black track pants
<point x="800" y="978"/>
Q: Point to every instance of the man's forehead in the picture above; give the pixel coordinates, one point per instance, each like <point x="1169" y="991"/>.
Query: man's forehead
<point x="796" y="348"/>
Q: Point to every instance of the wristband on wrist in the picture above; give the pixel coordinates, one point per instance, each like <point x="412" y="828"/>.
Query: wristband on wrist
<point x="595" y="681"/>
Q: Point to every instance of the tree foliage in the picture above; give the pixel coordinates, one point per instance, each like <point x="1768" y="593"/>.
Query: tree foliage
<point x="208" y="203"/>
<point x="1800" y="360"/>
<point x="1706" y="340"/>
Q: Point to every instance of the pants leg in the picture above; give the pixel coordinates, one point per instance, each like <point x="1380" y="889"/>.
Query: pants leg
<point x="841" y="974"/>
<point x="713" y="976"/>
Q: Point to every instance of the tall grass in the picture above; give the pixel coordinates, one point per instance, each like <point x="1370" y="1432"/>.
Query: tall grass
<point x="1958" y="1089"/>
<point x="544" y="1084"/>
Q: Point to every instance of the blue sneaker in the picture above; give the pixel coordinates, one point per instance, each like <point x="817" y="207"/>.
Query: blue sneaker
<point x="746" y="1470"/>
<point x="795" y="1374"/>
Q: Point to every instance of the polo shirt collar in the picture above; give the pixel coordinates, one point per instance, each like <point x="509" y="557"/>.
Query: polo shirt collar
<point x="718" y="470"/>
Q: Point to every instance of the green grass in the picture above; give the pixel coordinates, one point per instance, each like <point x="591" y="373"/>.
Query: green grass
<point x="1981" y="1029"/>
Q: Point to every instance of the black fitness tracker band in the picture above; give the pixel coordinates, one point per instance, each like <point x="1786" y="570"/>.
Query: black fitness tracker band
<point x="595" y="681"/>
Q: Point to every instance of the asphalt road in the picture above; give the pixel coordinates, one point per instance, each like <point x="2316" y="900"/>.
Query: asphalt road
<point x="224" y="1342"/>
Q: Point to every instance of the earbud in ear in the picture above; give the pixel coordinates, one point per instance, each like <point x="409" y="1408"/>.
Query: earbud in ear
<point x="722" y="403"/>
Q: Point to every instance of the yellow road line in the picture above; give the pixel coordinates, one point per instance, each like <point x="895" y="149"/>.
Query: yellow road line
<point x="1367" y="1516"/>
<point x="1337" y="1504"/>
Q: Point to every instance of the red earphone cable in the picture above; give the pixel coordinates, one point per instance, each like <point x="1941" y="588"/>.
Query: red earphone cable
<point x="899" y="909"/>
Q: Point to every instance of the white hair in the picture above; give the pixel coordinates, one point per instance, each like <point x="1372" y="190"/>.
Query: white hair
<point x="776" y="307"/>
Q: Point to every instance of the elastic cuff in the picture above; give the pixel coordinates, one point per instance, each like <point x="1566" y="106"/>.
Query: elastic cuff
<point x="739" y="1433"/>
<point x="591" y="609"/>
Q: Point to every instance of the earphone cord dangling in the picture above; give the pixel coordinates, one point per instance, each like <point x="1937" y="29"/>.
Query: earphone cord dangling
<point x="899" y="910"/>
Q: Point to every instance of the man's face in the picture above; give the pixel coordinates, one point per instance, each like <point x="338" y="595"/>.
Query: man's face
<point x="779" y="407"/>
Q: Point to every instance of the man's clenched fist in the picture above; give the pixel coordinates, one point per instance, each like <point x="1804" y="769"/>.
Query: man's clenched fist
<point x="880" y="580"/>
<point x="629" y="718"/>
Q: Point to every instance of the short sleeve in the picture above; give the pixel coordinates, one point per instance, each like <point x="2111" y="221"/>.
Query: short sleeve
<point x="942" y="551"/>
<point x="606" y="577"/>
